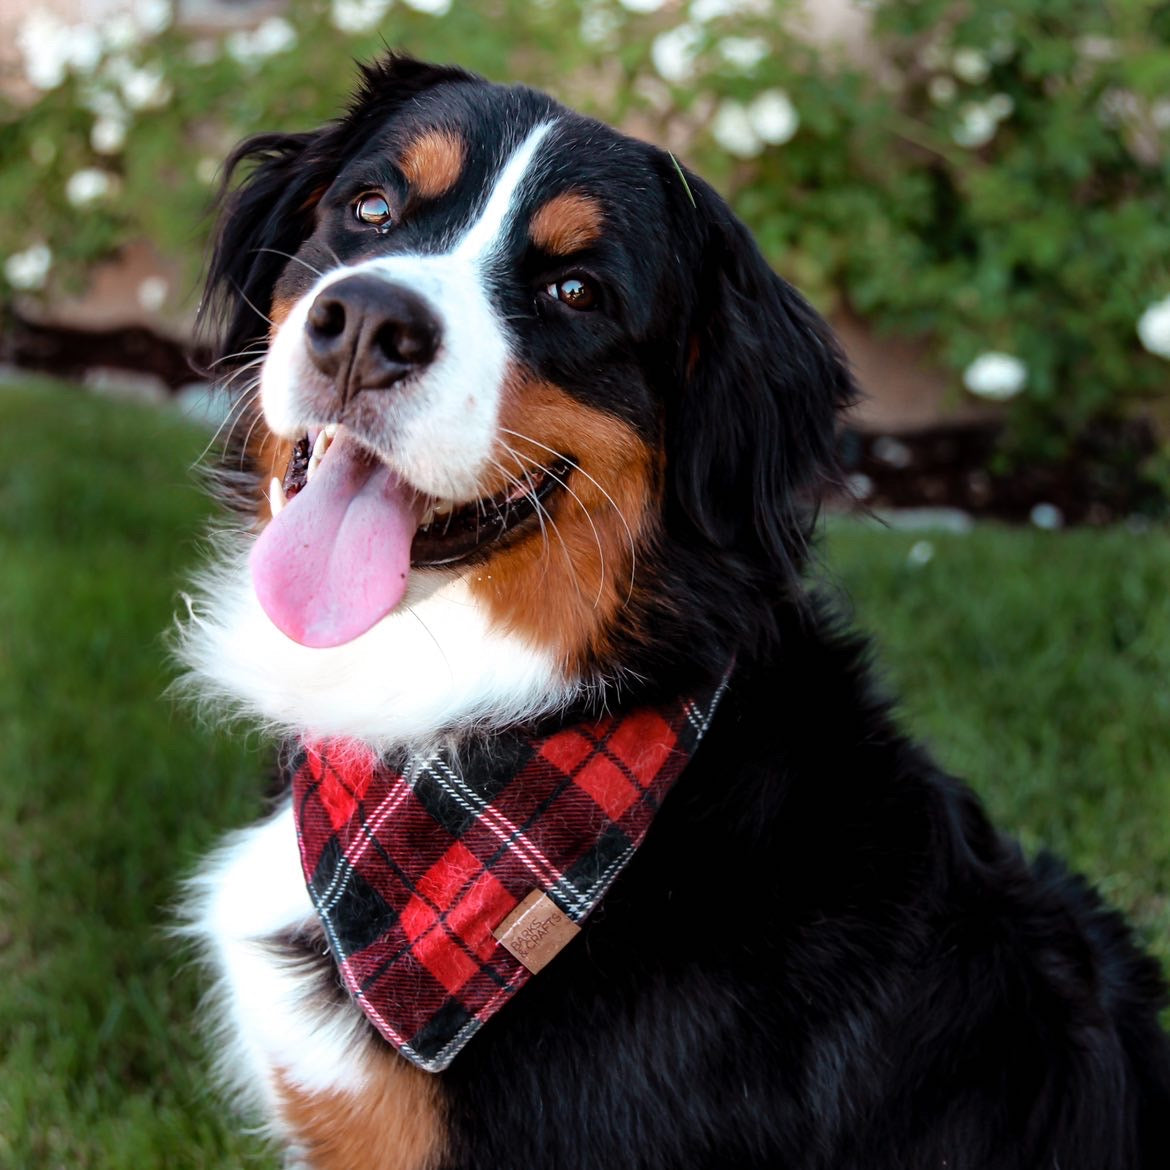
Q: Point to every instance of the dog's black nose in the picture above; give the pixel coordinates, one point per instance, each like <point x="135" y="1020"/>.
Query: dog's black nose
<point x="367" y="334"/>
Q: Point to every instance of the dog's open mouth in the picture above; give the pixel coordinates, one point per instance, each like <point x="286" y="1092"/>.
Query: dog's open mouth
<point x="346" y="530"/>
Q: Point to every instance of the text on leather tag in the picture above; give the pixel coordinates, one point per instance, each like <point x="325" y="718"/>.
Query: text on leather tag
<point x="536" y="931"/>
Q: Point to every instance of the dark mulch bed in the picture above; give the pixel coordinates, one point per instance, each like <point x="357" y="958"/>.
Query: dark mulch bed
<point x="946" y="466"/>
<point x="1100" y="481"/>
<point x="72" y="353"/>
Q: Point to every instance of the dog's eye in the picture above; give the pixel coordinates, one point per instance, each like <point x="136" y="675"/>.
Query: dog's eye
<point x="373" y="208"/>
<point x="574" y="292"/>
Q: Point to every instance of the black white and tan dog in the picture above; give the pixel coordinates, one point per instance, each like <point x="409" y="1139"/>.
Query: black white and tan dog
<point x="599" y="848"/>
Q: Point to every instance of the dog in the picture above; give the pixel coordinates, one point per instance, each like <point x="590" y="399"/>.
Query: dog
<point x="598" y="846"/>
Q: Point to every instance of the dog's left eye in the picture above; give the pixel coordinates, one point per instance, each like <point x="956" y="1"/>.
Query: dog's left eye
<point x="574" y="292"/>
<point x="373" y="208"/>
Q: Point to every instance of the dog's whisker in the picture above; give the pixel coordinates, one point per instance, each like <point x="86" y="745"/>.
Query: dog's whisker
<point x="234" y="414"/>
<point x="540" y="511"/>
<point x="613" y="503"/>
<point x="296" y="259"/>
<point x="588" y="515"/>
<point x="248" y="438"/>
<point x="596" y="535"/>
<point x="227" y="357"/>
<point x="248" y="301"/>
<point x="543" y="515"/>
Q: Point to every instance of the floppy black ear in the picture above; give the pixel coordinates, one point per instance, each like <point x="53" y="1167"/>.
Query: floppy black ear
<point x="261" y="223"/>
<point x="266" y="218"/>
<point x="751" y="438"/>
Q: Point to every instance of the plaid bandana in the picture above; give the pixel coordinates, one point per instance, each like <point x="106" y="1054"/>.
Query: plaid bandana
<point x="444" y="885"/>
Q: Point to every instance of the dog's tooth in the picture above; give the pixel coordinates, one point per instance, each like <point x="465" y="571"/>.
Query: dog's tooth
<point x="444" y="507"/>
<point x="320" y="446"/>
<point x="330" y="432"/>
<point x="276" y="497"/>
<point x="428" y="517"/>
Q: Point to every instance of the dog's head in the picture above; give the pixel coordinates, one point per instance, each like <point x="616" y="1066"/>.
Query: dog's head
<point x="555" y="369"/>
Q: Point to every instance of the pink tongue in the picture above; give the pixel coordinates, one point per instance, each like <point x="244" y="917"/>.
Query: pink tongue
<point x="335" y="560"/>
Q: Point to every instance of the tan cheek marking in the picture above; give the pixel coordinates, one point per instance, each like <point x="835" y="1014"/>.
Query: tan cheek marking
<point x="394" y="1123"/>
<point x="564" y="588"/>
<point x="278" y="314"/>
<point x="433" y="163"/>
<point x="566" y="224"/>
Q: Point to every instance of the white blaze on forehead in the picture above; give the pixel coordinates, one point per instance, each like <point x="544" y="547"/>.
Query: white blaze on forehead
<point x="485" y="235"/>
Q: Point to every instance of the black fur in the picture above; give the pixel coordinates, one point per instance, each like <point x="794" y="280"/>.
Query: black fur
<point x="824" y="956"/>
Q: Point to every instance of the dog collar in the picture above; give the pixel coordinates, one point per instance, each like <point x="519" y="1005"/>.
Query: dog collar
<point x="444" y="883"/>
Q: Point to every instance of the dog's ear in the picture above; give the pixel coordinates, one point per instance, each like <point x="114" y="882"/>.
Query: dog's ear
<point x="265" y="219"/>
<point x="751" y="434"/>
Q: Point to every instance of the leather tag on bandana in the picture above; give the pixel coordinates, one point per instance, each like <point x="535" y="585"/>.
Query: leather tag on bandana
<point x="536" y="931"/>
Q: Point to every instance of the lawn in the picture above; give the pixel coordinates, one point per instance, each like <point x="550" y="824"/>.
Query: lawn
<point x="1036" y="664"/>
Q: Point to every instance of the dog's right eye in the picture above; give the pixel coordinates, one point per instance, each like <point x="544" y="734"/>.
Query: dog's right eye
<point x="373" y="208"/>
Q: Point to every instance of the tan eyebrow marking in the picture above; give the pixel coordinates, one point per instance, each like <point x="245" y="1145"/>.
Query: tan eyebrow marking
<point x="433" y="162"/>
<point x="567" y="223"/>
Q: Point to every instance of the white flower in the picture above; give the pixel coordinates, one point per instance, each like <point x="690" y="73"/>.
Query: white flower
<point x="434" y="7"/>
<point x="357" y="16"/>
<point x="51" y="49"/>
<point x="146" y="88"/>
<point x="1160" y="114"/>
<point x="942" y="90"/>
<point x="732" y="128"/>
<point x="599" y="25"/>
<point x="859" y="485"/>
<point x="977" y="125"/>
<point x="1000" y="106"/>
<point x="28" y="269"/>
<point x="152" y="293"/>
<point x="970" y="65"/>
<point x="275" y="35"/>
<point x="85" y="48"/>
<point x="43" y="43"/>
<point x="1094" y="47"/>
<point x="88" y="186"/>
<point x="705" y="10"/>
<point x="921" y="553"/>
<point x="1001" y="49"/>
<point x="1118" y="106"/>
<point x="117" y="67"/>
<point x="1153" y="328"/>
<point x="1046" y="516"/>
<point x="773" y="116"/>
<point x="108" y="135"/>
<point x="641" y="5"/>
<point x="743" y="53"/>
<point x="935" y="56"/>
<point x="121" y="32"/>
<point x="995" y="375"/>
<point x="153" y="16"/>
<point x="674" y="51"/>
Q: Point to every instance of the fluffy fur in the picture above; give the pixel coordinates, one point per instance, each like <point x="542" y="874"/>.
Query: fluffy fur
<point x="823" y="956"/>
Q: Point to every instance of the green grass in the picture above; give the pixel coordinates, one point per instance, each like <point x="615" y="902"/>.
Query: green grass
<point x="1037" y="664"/>
<point x="109" y="793"/>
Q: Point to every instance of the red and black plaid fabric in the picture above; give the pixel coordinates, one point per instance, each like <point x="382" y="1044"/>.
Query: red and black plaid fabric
<point x="412" y="863"/>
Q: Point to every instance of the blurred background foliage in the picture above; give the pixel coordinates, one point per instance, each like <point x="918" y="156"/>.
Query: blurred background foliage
<point x="991" y="177"/>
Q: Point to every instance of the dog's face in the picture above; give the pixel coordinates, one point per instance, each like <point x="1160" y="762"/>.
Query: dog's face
<point x="546" y="375"/>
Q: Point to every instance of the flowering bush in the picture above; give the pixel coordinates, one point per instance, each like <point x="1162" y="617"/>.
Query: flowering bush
<point x="993" y="177"/>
